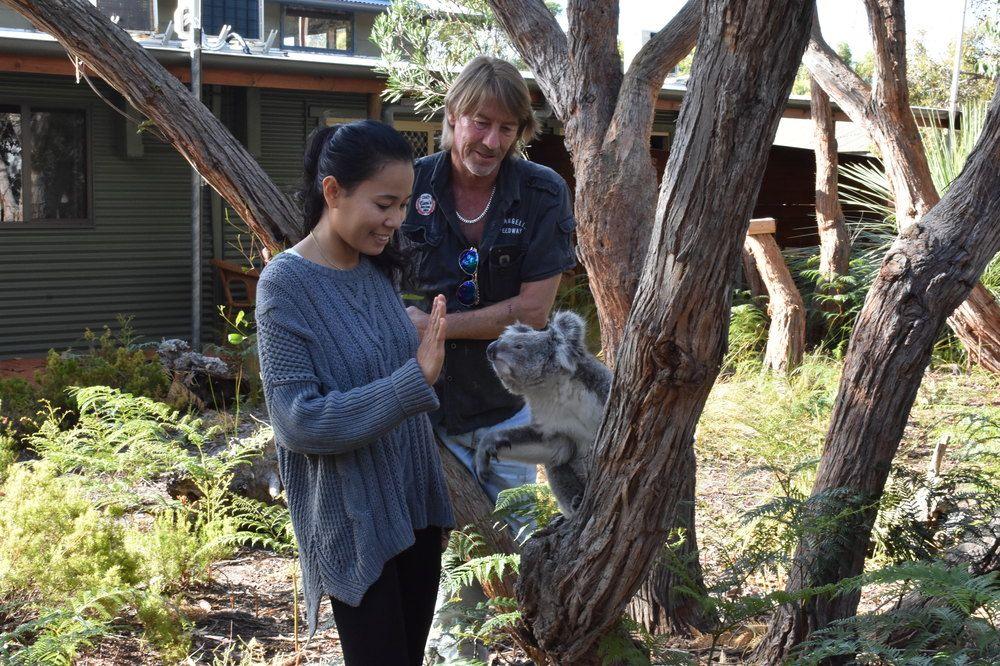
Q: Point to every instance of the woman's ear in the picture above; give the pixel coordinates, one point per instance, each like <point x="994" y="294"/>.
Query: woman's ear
<point x="332" y="191"/>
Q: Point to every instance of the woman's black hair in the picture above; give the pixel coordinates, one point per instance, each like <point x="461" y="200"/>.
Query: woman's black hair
<point x="352" y="153"/>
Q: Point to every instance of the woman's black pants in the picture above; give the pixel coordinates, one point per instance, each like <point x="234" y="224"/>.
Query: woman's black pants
<point x="390" y="626"/>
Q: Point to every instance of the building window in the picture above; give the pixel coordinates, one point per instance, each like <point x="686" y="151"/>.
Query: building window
<point x="132" y="14"/>
<point x="243" y="16"/>
<point x="317" y="30"/>
<point x="43" y="165"/>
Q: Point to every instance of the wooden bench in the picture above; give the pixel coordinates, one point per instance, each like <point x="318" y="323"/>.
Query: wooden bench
<point x="231" y="274"/>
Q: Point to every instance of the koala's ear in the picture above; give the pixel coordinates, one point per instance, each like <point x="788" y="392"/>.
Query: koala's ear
<point x="569" y="325"/>
<point x="567" y="331"/>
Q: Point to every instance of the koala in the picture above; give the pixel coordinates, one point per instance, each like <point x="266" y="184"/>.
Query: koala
<point x="566" y="389"/>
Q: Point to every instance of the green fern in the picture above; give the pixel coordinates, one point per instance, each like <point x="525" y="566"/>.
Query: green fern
<point x="533" y="506"/>
<point x="57" y="636"/>
<point x="958" y="625"/>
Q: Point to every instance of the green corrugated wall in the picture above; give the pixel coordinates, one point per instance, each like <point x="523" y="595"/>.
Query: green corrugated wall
<point x="134" y="260"/>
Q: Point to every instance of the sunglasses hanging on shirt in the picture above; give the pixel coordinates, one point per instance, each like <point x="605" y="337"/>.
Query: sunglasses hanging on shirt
<point x="468" y="291"/>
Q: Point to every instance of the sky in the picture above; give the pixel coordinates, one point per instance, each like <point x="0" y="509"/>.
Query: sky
<point x="842" y="20"/>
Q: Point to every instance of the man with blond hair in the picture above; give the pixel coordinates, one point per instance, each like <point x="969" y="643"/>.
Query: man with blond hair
<point x="493" y="233"/>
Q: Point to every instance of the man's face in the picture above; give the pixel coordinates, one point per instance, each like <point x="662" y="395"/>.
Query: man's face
<point x="482" y="139"/>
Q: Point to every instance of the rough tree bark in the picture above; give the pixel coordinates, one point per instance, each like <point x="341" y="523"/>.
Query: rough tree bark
<point x="608" y="118"/>
<point x="883" y="110"/>
<point x="930" y="269"/>
<point x="472" y="506"/>
<point x="200" y="138"/>
<point x="786" y="336"/>
<point x="577" y="576"/>
<point x="834" y="241"/>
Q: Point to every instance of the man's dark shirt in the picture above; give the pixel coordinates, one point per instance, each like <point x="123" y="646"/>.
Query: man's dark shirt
<point x="527" y="237"/>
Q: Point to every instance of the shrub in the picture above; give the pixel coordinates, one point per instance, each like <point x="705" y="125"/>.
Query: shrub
<point x="114" y="361"/>
<point x="58" y="636"/>
<point x="185" y="539"/>
<point x="747" y="338"/>
<point x="164" y="625"/>
<point x="8" y="452"/>
<point x="56" y="543"/>
<point x="110" y="361"/>
<point x="955" y="625"/>
<point x="132" y="437"/>
<point x="18" y="404"/>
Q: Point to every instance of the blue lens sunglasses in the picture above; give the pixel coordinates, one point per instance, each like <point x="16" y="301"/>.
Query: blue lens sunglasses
<point x="468" y="291"/>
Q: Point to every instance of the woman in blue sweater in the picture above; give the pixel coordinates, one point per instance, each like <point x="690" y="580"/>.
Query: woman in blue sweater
<point x="348" y="387"/>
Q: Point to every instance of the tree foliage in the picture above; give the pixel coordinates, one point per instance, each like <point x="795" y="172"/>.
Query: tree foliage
<point x="425" y="45"/>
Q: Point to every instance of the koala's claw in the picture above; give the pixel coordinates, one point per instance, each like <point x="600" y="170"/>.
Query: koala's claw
<point x="482" y="467"/>
<point x="486" y="451"/>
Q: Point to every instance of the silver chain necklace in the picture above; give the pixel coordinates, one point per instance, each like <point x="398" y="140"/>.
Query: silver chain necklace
<point x="481" y="215"/>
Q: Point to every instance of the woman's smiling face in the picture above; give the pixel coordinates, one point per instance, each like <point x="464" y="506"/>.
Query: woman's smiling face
<point x="366" y="217"/>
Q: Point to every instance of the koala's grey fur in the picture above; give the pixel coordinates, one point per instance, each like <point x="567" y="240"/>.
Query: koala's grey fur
<point x="566" y="389"/>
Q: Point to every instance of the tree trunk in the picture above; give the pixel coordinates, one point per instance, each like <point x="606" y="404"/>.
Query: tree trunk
<point x="658" y="605"/>
<point x="883" y="110"/>
<point x="471" y="505"/>
<point x="578" y="576"/>
<point x="977" y="324"/>
<point x="608" y="120"/>
<point x="834" y="241"/>
<point x="786" y="337"/>
<point x="928" y="272"/>
<point x="194" y="132"/>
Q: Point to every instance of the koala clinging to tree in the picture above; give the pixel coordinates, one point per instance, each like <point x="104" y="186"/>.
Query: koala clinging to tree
<point x="566" y="389"/>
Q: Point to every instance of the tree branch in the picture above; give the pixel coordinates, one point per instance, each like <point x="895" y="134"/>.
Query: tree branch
<point x="887" y="24"/>
<point x="840" y="82"/>
<point x="634" y="113"/>
<point x="194" y="132"/>
<point x="541" y="42"/>
<point x="595" y="65"/>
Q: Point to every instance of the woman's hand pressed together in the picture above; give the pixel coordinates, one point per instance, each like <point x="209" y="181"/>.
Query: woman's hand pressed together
<point x="430" y="353"/>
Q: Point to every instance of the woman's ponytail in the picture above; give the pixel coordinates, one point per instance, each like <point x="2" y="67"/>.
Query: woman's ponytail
<point x="310" y="197"/>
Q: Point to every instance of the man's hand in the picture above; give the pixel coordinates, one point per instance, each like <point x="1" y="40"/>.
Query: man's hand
<point x="419" y="318"/>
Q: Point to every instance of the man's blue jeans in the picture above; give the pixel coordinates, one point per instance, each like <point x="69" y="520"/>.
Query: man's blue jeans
<point x="503" y="474"/>
<point x="444" y="646"/>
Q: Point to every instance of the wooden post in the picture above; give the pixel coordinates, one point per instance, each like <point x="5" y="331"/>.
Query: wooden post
<point x="787" y="333"/>
<point x="374" y="106"/>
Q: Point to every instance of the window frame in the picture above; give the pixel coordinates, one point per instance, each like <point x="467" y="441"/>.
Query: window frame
<point x="285" y="6"/>
<point x="26" y="107"/>
<point x="430" y="129"/>
<point x="156" y="16"/>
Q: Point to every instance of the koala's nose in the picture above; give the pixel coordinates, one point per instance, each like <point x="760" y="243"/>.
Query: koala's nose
<point x="491" y="350"/>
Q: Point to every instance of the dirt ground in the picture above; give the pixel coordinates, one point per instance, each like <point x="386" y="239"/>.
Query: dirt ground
<point x="247" y="608"/>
